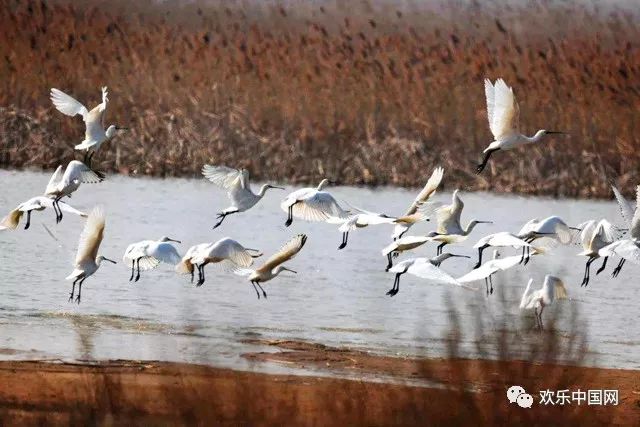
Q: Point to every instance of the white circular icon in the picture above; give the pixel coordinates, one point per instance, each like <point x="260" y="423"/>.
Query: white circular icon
<point x="513" y="393"/>
<point x="525" y="400"/>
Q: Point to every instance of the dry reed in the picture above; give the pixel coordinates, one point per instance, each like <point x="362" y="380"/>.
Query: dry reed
<point x="371" y="95"/>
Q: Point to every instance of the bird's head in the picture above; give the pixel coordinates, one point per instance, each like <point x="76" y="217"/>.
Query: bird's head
<point x="113" y="129"/>
<point x="169" y="239"/>
<point x="104" y="258"/>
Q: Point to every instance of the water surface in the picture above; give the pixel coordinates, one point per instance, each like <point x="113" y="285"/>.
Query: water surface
<point x="338" y="297"/>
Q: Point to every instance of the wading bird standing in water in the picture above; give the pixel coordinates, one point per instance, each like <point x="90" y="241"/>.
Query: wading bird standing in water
<point x="95" y="133"/>
<point x="503" y="113"/>
<point x="236" y="182"/>
<point x="225" y="249"/>
<point x="313" y="204"/>
<point x="39" y="203"/>
<point x="63" y="184"/>
<point x="271" y="268"/>
<point x="552" y="289"/>
<point x="426" y="268"/>
<point x="148" y="254"/>
<point x="87" y="259"/>
<point x="423" y="197"/>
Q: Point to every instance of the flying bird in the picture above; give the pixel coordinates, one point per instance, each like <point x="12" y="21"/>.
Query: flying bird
<point x="64" y="184"/>
<point x="38" y="203"/>
<point x="272" y="267"/>
<point x="313" y="204"/>
<point x="148" y="254"/>
<point x="500" y="240"/>
<point x="504" y="114"/>
<point x="87" y="259"/>
<point x="421" y="199"/>
<point x="552" y="289"/>
<point x="626" y="249"/>
<point x="236" y="182"/>
<point x="224" y="250"/>
<point x="95" y="134"/>
<point x="489" y="268"/>
<point x="425" y="268"/>
<point x="595" y="236"/>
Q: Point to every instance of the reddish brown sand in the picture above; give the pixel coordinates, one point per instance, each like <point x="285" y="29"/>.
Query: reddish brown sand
<point x="154" y="393"/>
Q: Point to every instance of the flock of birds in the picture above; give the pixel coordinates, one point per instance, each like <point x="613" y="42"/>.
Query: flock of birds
<point x="599" y="238"/>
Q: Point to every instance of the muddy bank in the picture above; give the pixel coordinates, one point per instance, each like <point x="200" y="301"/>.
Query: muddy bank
<point x="143" y="393"/>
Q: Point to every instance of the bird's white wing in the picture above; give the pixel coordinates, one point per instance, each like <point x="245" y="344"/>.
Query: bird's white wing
<point x="626" y="249"/>
<point x="611" y="232"/>
<point x="165" y="252"/>
<point x="504" y="112"/>
<point x="319" y="207"/>
<point x="287" y="252"/>
<point x="506" y="240"/>
<point x="350" y="224"/>
<point x="427" y="191"/>
<point x="491" y="99"/>
<point x="242" y="271"/>
<point x="222" y="176"/>
<point x="626" y="210"/>
<point x="402" y="266"/>
<point x="80" y="173"/>
<point x="55" y="179"/>
<point x="67" y="104"/>
<point x="426" y="270"/>
<point x="234" y="252"/>
<point x="559" y="290"/>
<point x="91" y="236"/>
<point x="635" y="221"/>
<point x="588" y="228"/>
<point x="69" y="209"/>
<point x="528" y="296"/>
<point x="482" y="272"/>
<point x="507" y="262"/>
<point x="11" y="221"/>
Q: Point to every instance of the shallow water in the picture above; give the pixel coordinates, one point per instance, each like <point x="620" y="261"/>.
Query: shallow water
<point x="337" y="298"/>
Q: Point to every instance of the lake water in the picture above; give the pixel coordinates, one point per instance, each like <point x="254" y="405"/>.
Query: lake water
<point x="337" y="298"/>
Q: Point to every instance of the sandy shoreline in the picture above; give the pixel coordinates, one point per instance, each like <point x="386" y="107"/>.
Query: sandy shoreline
<point x="159" y="393"/>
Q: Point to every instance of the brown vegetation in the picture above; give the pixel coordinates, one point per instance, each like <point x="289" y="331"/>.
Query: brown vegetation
<point x="370" y="95"/>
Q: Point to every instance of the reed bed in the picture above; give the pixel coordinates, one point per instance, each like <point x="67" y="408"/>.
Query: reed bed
<point x="369" y="95"/>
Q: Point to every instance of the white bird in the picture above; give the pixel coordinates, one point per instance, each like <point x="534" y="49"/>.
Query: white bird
<point x="64" y="184"/>
<point x="38" y="203"/>
<point x="595" y="236"/>
<point x="236" y="182"/>
<point x="403" y="244"/>
<point x="449" y="228"/>
<point x="425" y="268"/>
<point x="313" y="204"/>
<point x="500" y="240"/>
<point x="489" y="268"/>
<point x="272" y="267"/>
<point x="87" y="259"/>
<point x="361" y="220"/>
<point x="148" y="254"/>
<point x="504" y="114"/>
<point x="225" y="249"/>
<point x="626" y="249"/>
<point x="423" y="197"/>
<point x="552" y="289"/>
<point x="95" y="133"/>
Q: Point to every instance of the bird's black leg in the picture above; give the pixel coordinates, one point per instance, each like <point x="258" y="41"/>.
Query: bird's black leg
<point x="485" y="160"/>
<point x="73" y="289"/>
<point x="440" y="247"/>
<point x="133" y="265"/>
<point x="221" y="217"/>
<point x="491" y="284"/>
<point x="290" y="215"/>
<point x="138" y="270"/>
<point x="616" y="271"/>
<point x="264" y="294"/>
<point x="528" y="255"/>
<point x="480" y="250"/>
<point x="57" y="203"/>
<point x="192" y="273"/>
<point x="603" y="266"/>
<point x="389" y="262"/>
<point x="486" y="285"/>
<point x="523" y="255"/>
<point x="79" y="290"/>
<point x="585" y="281"/>
<point x="256" y="289"/>
<point x="345" y="237"/>
<point x="396" y="285"/>
<point x="202" y="278"/>
<point x="26" y="226"/>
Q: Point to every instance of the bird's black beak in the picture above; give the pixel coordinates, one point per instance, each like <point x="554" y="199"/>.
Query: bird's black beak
<point x="555" y="132"/>
<point x="275" y="186"/>
<point x="121" y="128"/>
<point x="485" y="222"/>
<point x="460" y="256"/>
<point x="110" y="260"/>
<point x="174" y="240"/>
